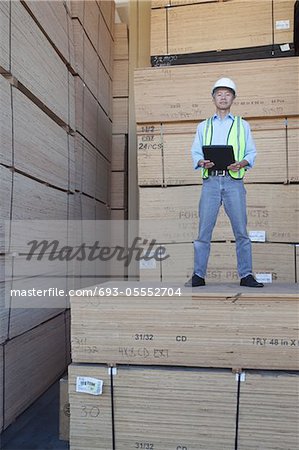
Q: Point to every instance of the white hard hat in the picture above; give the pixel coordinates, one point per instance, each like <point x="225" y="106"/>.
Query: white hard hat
<point x="225" y="83"/>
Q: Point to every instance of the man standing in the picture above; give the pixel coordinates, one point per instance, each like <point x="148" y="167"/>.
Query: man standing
<point x="223" y="187"/>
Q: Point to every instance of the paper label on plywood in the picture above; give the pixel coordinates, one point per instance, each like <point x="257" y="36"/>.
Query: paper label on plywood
<point x="282" y="24"/>
<point x="257" y="236"/>
<point x="88" y="385"/>
<point x="264" y="277"/>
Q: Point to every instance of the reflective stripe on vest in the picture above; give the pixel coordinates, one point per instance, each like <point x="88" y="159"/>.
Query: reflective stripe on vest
<point x="236" y="138"/>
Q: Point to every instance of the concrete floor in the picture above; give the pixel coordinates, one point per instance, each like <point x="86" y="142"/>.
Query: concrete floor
<point x="37" y="428"/>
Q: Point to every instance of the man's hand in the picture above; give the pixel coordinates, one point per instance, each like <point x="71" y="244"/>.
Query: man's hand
<point x="238" y="165"/>
<point x="205" y="163"/>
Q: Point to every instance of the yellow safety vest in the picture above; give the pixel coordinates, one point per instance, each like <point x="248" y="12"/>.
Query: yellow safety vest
<point x="236" y="138"/>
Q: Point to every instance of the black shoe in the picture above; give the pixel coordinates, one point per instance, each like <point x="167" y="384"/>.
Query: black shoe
<point x="250" y="281"/>
<point x="195" y="281"/>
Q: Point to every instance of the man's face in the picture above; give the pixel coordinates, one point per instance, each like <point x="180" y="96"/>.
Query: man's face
<point x="223" y="98"/>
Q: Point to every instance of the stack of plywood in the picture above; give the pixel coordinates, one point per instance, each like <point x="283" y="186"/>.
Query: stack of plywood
<point x="182" y="94"/>
<point x="165" y="324"/>
<point x="272" y="397"/>
<point x="37" y="176"/>
<point x="92" y="24"/>
<point x="169" y="383"/>
<point x="44" y="177"/>
<point x="209" y="27"/>
<point x="169" y="104"/>
<point x="93" y="28"/>
<point x="120" y="123"/>
<point x="119" y="159"/>
<point x="154" y="408"/>
<point x="274" y="262"/>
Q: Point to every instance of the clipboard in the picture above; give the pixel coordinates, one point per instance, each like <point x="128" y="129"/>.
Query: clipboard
<point x="221" y="155"/>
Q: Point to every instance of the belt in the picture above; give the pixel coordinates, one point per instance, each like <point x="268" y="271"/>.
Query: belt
<point x="218" y="173"/>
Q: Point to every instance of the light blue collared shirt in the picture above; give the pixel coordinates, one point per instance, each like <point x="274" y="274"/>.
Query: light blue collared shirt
<point x="221" y="129"/>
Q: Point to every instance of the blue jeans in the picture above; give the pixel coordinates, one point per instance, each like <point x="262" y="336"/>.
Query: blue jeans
<point x="215" y="191"/>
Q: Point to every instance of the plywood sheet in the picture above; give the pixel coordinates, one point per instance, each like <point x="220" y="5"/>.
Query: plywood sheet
<point x="297" y="263"/>
<point x="33" y="200"/>
<point x="90" y="67"/>
<point x="102" y="211"/>
<point x="196" y="28"/>
<point x="78" y="161"/>
<point x="78" y="36"/>
<point x="52" y="17"/>
<point x="44" y="346"/>
<point x="276" y="261"/>
<point x="105" y="45"/>
<point x="71" y="162"/>
<point x="159" y="36"/>
<point x="104" y="89"/>
<point x="79" y="102"/>
<point x="5" y="210"/>
<point x="64" y="410"/>
<point x="170" y="406"/>
<point x="167" y="94"/>
<point x="107" y="10"/>
<point x="89" y="169"/>
<point x="104" y="134"/>
<point x="40" y="145"/>
<point x="91" y="22"/>
<point x="91" y="416"/>
<point x="72" y="101"/>
<point x="121" y="47"/>
<point x="1" y="384"/>
<point x="178" y="164"/>
<point x="32" y="203"/>
<point x="170" y="214"/>
<point x="35" y="63"/>
<point x="271" y="145"/>
<point x="274" y="399"/>
<point x="88" y="208"/>
<point x="4" y="303"/>
<point x="121" y="78"/>
<point x="90" y="120"/>
<point x="71" y="39"/>
<point x="283" y="21"/>
<point x="4" y="37"/>
<point x="74" y="209"/>
<point x="118" y="190"/>
<point x="293" y="146"/>
<point x="119" y="152"/>
<point x="44" y="282"/>
<point x="222" y="327"/>
<point x="6" y="121"/>
<point x="166" y="404"/>
<point x="150" y="156"/>
<point x="120" y="116"/>
<point x="102" y="186"/>
<point x="24" y="319"/>
<point x="118" y="214"/>
<point x="167" y="152"/>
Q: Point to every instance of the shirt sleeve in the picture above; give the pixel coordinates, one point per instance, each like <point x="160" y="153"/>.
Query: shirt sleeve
<point x="196" y="149"/>
<point x="250" y="149"/>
